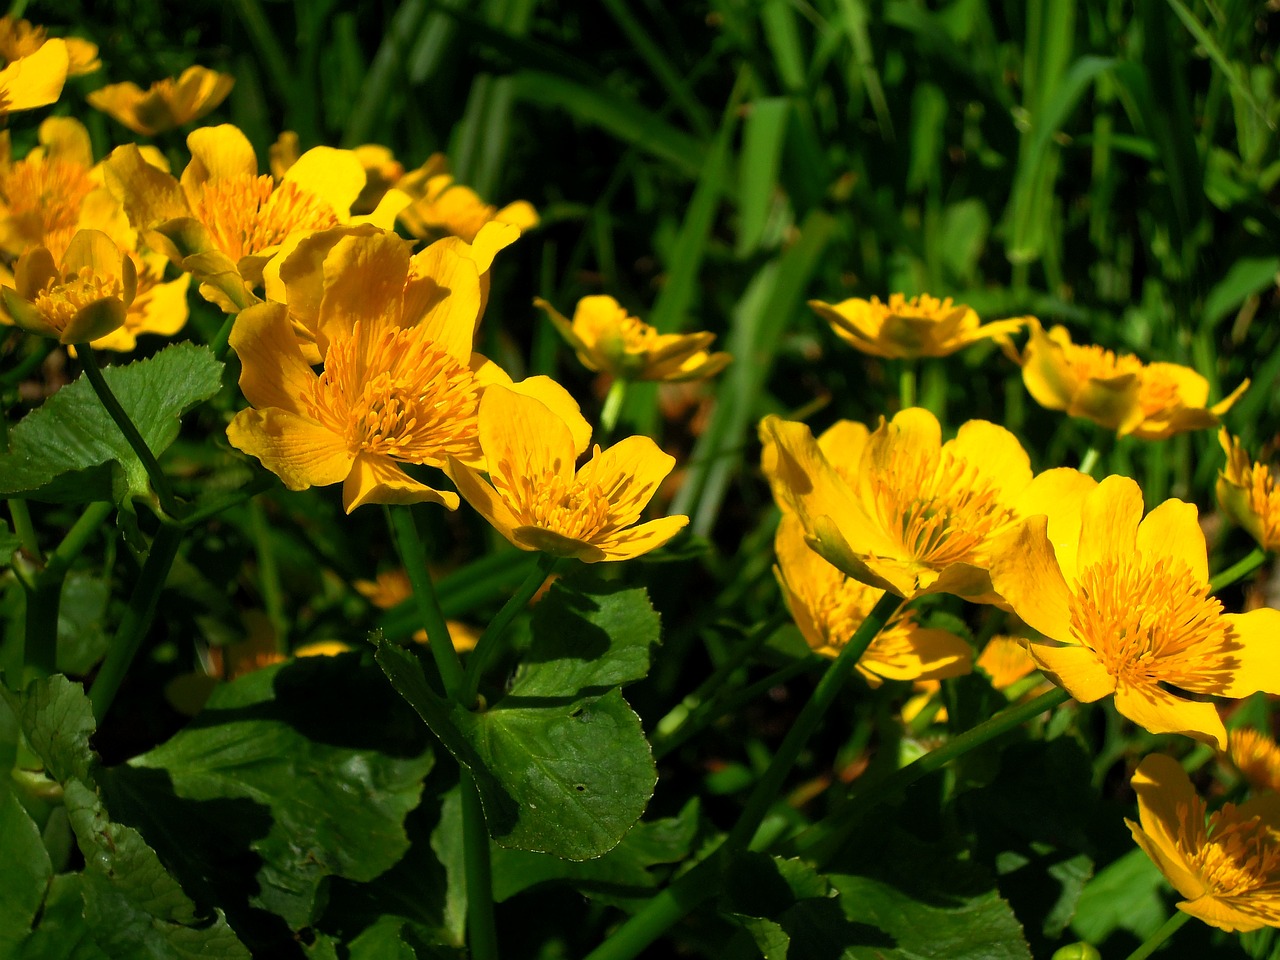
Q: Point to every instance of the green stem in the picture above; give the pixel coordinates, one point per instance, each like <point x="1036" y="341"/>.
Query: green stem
<point x="159" y="482"/>
<point x="24" y="528"/>
<point x="907" y="384"/>
<point x="414" y="557"/>
<point x="482" y="928"/>
<point x="663" y="911"/>
<point x="1160" y="936"/>
<point x="490" y="641"/>
<point x="1102" y="441"/>
<point x="137" y="619"/>
<point x="269" y="576"/>
<point x="1089" y="461"/>
<point x="1239" y="570"/>
<point x="259" y="484"/>
<point x="78" y="537"/>
<point x="612" y="408"/>
<point x="40" y="630"/>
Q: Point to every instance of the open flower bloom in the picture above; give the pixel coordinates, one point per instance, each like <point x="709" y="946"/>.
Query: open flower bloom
<point x="43" y="196"/>
<point x="923" y="326"/>
<point x="169" y="103"/>
<point x="538" y="501"/>
<point x="1248" y="494"/>
<point x="78" y="299"/>
<point x="1117" y="391"/>
<point x="443" y="207"/>
<point x="1124" y="604"/>
<point x="159" y="306"/>
<point x="900" y="510"/>
<point x="608" y="340"/>
<point x="35" y="80"/>
<point x="828" y="607"/>
<point x="1257" y="757"/>
<point x="21" y="38"/>
<point x="1226" y="863"/>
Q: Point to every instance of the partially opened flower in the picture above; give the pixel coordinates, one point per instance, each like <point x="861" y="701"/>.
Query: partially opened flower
<point x="1257" y="757"/>
<point x="168" y="103"/>
<point x="159" y="306"/>
<point x="904" y="328"/>
<point x="1248" y="494"/>
<point x="828" y="607"/>
<point x="35" y="80"/>
<point x="609" y="340"/>
<point x="900" y="510"/>
<point x="80" y="298"/>
<point x="537" y="499"/>
<point x="1124" y="604"/>
<point x="43" y="195"/>
<point x="21" y="38"/>
<point x="1225" y="863"/>
<point x="443" y="207"/>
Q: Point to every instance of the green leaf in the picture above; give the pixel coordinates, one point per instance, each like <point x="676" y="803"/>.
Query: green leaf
<point x="1125" y="895"/>
<point x="763" y="136"/>
<point x="70" y="451"/>
<point x="26" y="874"/>
<point x="1245" y="278"/>
<point x="63" y="933"/>
<point x="82" y="639"/>
<point x="57" y="718"/>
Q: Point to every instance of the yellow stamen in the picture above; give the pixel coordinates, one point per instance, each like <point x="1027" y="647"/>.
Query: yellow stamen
<point x="1231" y="856"/>
<point x="1089" y="361"/>
<point x="572" y="507"/>
<point x="247" y="214"/>
<point x="43" y="198"/>
<point x="61" y="300"/>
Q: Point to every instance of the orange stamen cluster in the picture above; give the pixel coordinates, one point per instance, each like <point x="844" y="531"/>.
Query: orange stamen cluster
<point x="62" y="299"/>
<point x="43" y="198"/>
<point x="1256" y="756"/>
<point x="1089" y="361"/>
<point x="574" y="507"/>
<point x="247" y="214"/>
<point x="1231" y="856"/>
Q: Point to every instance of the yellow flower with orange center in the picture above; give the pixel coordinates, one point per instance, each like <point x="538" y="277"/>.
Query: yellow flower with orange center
<point x="1117" y="391"/>
<point x="536" y="499"/>
<point x="609" y="340"/>
<point x="1124" y="604"/>
<point x="1257" y="757"/>
<point x="21" y="38"/>
<point x="42" y="195"/>
<point x="1248" y="494"/>
<point x="159" y="306"/>
<point x="898" y="509"/>
<point x="828" y="607"/>
<point x="922" y="326"/>
<point x="443" y="207"/>
<point x="35" y="80"/>
<point x="166" y="104"/>
<point x="1225" y="863"/>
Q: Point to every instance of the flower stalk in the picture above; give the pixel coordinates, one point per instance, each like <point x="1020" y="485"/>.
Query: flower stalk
<point x="1157" y="939"/>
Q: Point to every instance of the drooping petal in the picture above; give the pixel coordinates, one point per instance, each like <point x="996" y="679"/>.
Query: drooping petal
<point x="300" y="451"/>
<point x="634" y="541"/>
<point x="1076" y="669"/>
<point x="273" y="371"/>
<point x="485" y="499"/>
<point x="1158" y="711"/>
<point x="379" y="479"/>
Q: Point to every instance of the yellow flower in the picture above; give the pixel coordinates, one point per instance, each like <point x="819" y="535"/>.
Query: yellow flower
<point x="43" y="194"/>
<point x="1117" y="391"/>
<point x="392" y="587"/>
<point x="1226" y="863"/>
<point x="159" y="306"/>
<point x="828" y="607"/>
<point x="898" y="509"/>
<point x="80" y="298"/>
<point x="1248" y="494"/>
<point x="168" y="103"/>
<point x="1006" y="661"/>
<point x="35" y="80"/>
<point x="608" y="340"/>
<point x="923" y="326"/>
<point x="1125" y="605"/>
<point x="539" y="502"/>
<point x="21" y="38"/>
<point x="1256" y="756"/>
<point x="443" y="207"/>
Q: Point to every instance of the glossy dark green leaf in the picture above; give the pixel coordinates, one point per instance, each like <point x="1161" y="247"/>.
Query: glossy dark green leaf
<point x="58" y="720"/>
<point x="26" y="874"/>
<point x="63" y="933"/>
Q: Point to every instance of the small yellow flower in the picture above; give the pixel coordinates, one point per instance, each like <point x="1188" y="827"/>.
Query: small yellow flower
<point x="923" y="326"/>
<point x="168" y="103"/>
<point x="35" y="80"/>
<point x="80" y="298"/>
<point x="392" y="587"/>
<point x="1117" y="391"/>
<point x="898" y="509"/>
<point x="21" y="38"/>
<point x="443" y="207"/>
<point x="537" y="500"/>
<point x="1248" y="494"/>
<point x="608" y="340"/>
<point x="828" y="607"/>
<point x="1226" y="863"/>
<point x="42" y="196"/>
<point x="1257" y="757"/>
<point x="1124" y="604"/>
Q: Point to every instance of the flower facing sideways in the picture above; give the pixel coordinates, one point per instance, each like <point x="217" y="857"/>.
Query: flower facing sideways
<point x="21" y="38"/>
<point x="443" y="207"/>
<point x="1124" y="604"/>
<point x="1256" y="756"/>
<point x="828" y="607"/>
<point x="1226" y="863"/>
<point x="1248" y="494"/>
<point x="922" y="326"/>
<point x="168" y="103"/>
<point x="537" y="500"/>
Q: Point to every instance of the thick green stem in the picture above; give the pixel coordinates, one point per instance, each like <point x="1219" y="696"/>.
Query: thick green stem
<point x="612" y="409"/>
<point x="414" y="557"/>
<point x="137" y="619"/>
<point x="1160" y="936"/>
<point x="269" y="576"/>
<point x="491" y="640"/>
<point x="78" y="537"/>
<point x="1238" y="571"/>
<point x="24" y="528"/>
<point x="482" y="929"/>
<point x="159" y="482"/>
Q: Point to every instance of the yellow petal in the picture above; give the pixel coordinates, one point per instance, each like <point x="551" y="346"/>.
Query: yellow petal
<point x="299" y="451"/>
<point x="219" y="153"/>
<point x="149" y="195"/>
<point x="66" y="138"/>
<point x="363" y="280"/>
<point x="443" y="294"/>
<point x="273" y="372"/>
<point x="1164" y="789"/>
<point x="522" y="437"/>
<point x="1255" y="661"/>
<point x="1059" y="494"/>
<point x="556" y="544"/>
<point x="1223" y="913"/>
<point x="560" y="402"/>
<point x="35" y="80"/>
<point x="629" y="473"/>
<point x="484" y="499"/>
<point x="1109" y="521"/>
<point x="1158" y="711"/>
<point x="634" y="541"/>
<point x="334" y="175"/>
<point x="1074" y="668"/>
<point x="994" y="452"/>
<point x="1025" y="572"/>
<point x="378" y="479"/>
<point x="1173" y="530"/>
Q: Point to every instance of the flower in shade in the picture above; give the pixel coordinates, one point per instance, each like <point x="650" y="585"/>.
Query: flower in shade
<point x="609" y="340"/>
<point x="900" y="510"/>
<point x="1117" y="391"/>
<point x="443" y="207"/>
<point x="168" y="103"/>
<point x="828" y="607"/>
<point x="1225" y="863"/>
<point x="1256" y="756"/>
<point x="21" y="38"/>
<point x="1248" y="494"/>
<point x="79" y="298"/>
<point x="35" y="80"/>
<point x="537" y="500"/>
<point x="1124" y="604"/>
<point x="392" y="588"/>
<point x="922" y="326"/>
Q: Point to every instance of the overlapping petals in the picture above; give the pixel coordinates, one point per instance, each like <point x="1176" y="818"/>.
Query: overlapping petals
<point x="1248" y="494"/>
<point x="21" y="38"/>
<point x="443" y="207"/>
<point x="166" y="104"/>
<point x="35" y="80"/>
<point x="904" y="328"/>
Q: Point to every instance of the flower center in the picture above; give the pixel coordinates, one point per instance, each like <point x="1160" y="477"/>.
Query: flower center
<point x="1159" y="392"/>
<point x="42" y="197"/>
<point x="390" y="391"/>
<point x="247" y="214"/>
<point x="569" y="506"/>
<point x="1237" y="856"/>
<point x="1264" y="501"/>
<point x="1090" y="362"/>
<point x="923" y="307"/>
<point x="1256" y="756"/>
<point x="61" y="300"/>
<point x="1152" y="622"/>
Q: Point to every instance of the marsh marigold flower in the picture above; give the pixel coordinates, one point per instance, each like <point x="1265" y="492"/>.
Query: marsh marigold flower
<point x="392" y="587"/>
<point x="35" y="80"/>
<point x="21" y="38"/>
<point x="1124" y="604"/>
<point x="828" y="607"/>
<point x="904" y="328"/>
<point x="1257" y="757"/>
<point x="168" y="103"/>
<point x="609" y="340"/>
<point x="1117" y="391"/>
<point x="537" y="500"/>
<point x="898" y="509"/>
<point x="1248" y="494"/>
<point x="443" y="207"/>
<point x="1225" y="863"/>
